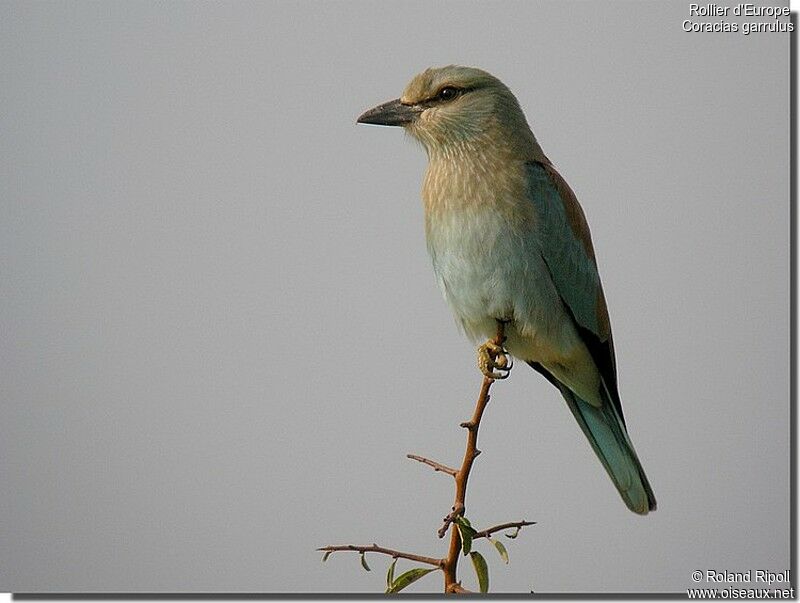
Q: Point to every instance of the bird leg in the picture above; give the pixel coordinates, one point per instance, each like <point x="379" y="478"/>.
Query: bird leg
<point x="494" y="360"/>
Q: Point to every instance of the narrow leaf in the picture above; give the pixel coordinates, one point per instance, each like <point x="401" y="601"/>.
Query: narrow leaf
<point x="514" y="535"/>
<point x="500" y="548"/>
<point x="466" y="538"/>
<point x="409" y="577"/>
<point x="467" y="533"/>
<point x="325" y="556"/>
<point x="390" y="575"/>
<point x="364" y="562"/>
<point x="482" y="570"/>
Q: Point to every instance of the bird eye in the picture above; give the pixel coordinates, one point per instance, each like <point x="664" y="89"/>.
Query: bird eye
<point x="448" y="93"/>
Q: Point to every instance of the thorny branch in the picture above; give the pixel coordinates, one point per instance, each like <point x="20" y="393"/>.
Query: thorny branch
<point x="449" y="564"/>
<point x="462" y="476"/>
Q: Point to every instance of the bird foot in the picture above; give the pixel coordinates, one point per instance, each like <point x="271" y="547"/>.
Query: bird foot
<point x="494" y="360"/>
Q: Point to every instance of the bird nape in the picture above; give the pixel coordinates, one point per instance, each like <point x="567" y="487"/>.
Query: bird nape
<point x="510" y="243"/>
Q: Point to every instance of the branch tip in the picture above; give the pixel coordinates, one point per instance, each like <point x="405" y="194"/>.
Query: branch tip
<point x="436" y="466"/>
<point x="503" y="526"/>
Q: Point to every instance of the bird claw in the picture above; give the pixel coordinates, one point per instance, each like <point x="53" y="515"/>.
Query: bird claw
<point x="494" y="361"/>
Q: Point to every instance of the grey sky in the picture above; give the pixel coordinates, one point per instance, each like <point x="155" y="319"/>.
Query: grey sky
<point x="221" y="333"/>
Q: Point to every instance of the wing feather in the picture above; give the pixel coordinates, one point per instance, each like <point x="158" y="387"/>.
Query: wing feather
<point x="569" y="254"/>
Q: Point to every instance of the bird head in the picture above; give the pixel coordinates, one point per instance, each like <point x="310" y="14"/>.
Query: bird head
<point x="452" y="106"/>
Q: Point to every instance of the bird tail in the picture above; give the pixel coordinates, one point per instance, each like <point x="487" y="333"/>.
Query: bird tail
<point x="606" y="432"/>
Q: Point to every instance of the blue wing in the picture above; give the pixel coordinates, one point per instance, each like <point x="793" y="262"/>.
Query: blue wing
<point x="566" y="247"/>
<point x="568" y="252"/>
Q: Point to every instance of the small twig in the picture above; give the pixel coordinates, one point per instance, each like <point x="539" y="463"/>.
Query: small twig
<point x="458" y="509"/>
<point x="374" y="548"/>
<point x="436" y="466"/>
<point x="503" y="526"/>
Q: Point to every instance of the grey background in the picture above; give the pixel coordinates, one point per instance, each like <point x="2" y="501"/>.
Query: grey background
<point x="220" y="333"/>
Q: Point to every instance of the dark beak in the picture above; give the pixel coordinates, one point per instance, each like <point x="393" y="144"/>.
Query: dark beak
<point x="393" y="113"/>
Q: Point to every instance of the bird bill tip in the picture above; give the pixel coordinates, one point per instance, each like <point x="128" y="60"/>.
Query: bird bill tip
<point x="392" y="113"/>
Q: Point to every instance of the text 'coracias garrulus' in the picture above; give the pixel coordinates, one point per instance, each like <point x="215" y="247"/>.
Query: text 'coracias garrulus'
<point x="510" y="243"/>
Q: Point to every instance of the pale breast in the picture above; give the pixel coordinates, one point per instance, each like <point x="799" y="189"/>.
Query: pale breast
<point x="481" y="235"/>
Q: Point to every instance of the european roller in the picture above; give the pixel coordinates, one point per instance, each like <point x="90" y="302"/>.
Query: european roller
<point x="510" y="244"/>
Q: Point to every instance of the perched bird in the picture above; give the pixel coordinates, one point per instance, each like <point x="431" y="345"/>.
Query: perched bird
<point x="510" y="243"/>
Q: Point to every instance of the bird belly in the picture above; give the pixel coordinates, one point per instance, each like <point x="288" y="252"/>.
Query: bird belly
<point x="487" y="272"/>
<point x="473" y="267"/>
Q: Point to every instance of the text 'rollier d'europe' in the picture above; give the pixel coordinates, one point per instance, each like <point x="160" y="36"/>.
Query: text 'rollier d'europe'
<point x="771" y="16"/>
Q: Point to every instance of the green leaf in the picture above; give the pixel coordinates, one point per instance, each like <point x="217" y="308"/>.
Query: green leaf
<point x="500" y="548"/>
<point x="466" y="538"/>
<point x="364" y="562"/>
<point x="467" y="533"/>
<point x="409" y="577"/>
<point x="390" y="575"/>
<point x="482" y="570"/>
<point x="514" y="535"/>
<point x="325" y="556"/>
